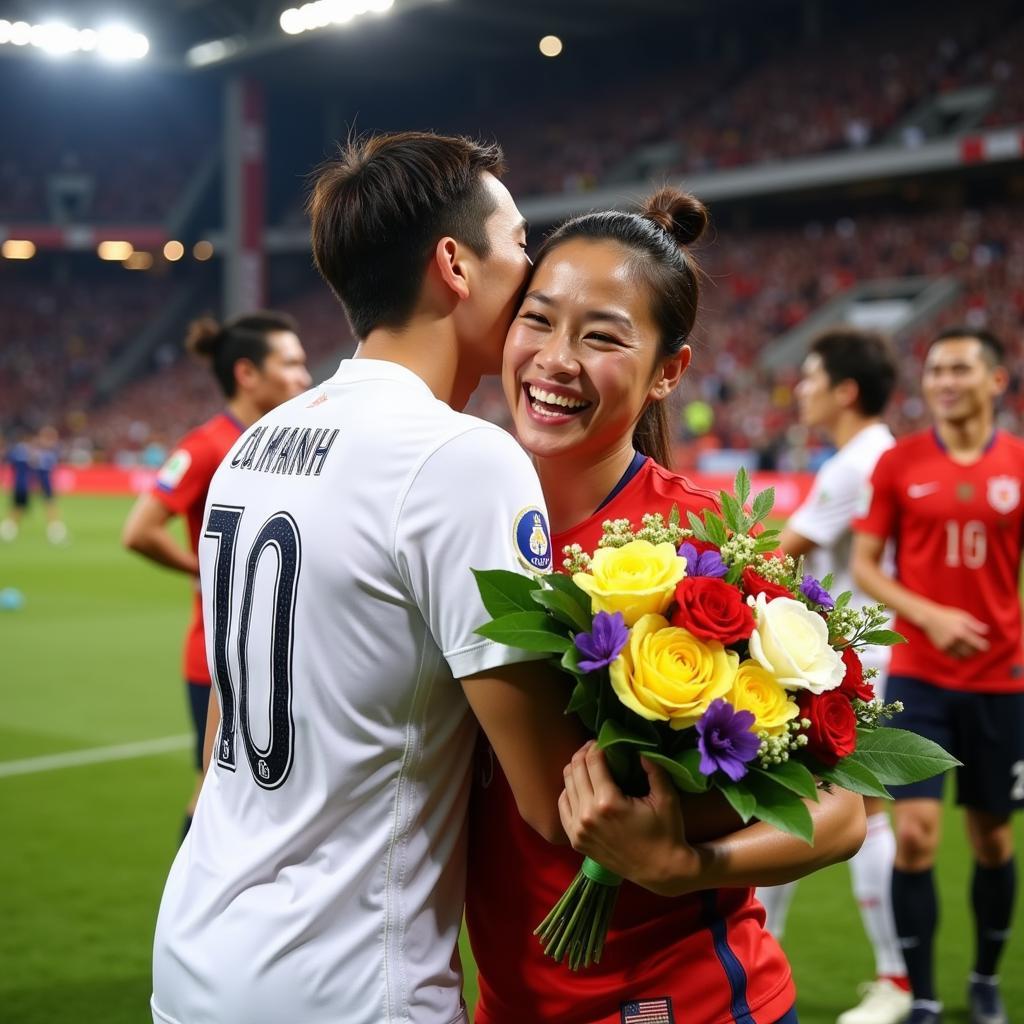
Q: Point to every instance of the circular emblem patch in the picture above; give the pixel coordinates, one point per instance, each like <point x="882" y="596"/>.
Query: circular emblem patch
<point x="532" y="540"/>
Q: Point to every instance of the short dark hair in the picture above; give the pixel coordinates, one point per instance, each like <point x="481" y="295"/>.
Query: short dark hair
<point x="865" y="358"/>
<point x="658" y="239"/>
<point x="992" y="347"/>
<point x="378" y="208"/>
<point x="244" y="337"/>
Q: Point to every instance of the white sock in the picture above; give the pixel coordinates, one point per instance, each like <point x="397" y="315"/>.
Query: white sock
<point x="871" y="869"/>
<point x="776" y="900"/>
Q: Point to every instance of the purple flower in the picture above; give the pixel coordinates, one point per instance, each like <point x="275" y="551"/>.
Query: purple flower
<point x="601" y="646"/>
<point x="725" y="741"/>
<point x="707" y="563"/>
<point x="816" y="593"/>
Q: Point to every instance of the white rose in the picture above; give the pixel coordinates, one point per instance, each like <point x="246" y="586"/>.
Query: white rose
<point x="791" y="641"/>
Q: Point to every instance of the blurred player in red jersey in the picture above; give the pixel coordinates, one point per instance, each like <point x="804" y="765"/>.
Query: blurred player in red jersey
<point x="846" y="382"/>
<point x="598" y="344"/>
<point x="259" y="363"/>
<point x="950" y="499"/>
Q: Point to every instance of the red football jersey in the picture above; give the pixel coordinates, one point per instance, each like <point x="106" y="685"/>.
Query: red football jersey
<point x="958" y="532"/>
<point x="181" y="485"/>
<point x="707" y="954"/>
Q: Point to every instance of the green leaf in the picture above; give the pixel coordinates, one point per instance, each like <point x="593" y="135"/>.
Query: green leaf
<point x="697" y="525"/>
<point x="882" y="637"/>
<point x="715" y="528"/>
<point x="504" y="592"/>
<point x="842" y="600"/>
<point x="793" y="775"/>
<point x="898" y="757"/>
<point x="742" y="801"/>
<point x="615" y="734"/>
<point x="563" y="608"/>
<point x="742" y="485"/>
<point x="682" y="770"/>
<point x="583" y="704"/>
<point x="674" y="519"/>
<point x="764" y="502"/>
<point x="852" y="775"/>
<point x="529" y="631"/>
<point x="827" y="582"/>
<point x="733" y="514"/>
<point x="571" y="661"/>
<point x="779" y="806"/>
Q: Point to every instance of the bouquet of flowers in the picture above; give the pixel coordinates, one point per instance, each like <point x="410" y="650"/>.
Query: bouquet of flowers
<point x="706" y="651"/>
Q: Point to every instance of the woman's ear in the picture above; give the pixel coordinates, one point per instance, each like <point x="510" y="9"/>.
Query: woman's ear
<point x="451" y="268"/>
<point x="670" y="374"/>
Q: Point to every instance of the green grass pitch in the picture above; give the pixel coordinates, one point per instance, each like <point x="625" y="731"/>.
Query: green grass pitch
<point x="92" y="660"/>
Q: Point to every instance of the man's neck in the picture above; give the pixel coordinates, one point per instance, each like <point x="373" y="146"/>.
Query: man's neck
<point x="243" y="410"/>
<point x="849" y="425"/>
<point x="429" y="349"/>
<point x="965" y="440"/>
<point x="575" y="485"/>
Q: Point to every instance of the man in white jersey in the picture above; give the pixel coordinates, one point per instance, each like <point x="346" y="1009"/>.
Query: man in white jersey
<point x="846" y="382"/>
<point x="322" y="880"/>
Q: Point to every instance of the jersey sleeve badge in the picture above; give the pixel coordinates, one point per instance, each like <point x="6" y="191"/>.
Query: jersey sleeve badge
<point x="532" y="540"/>
<point x="173" y="470"/>
<point x="1004" y="493"/>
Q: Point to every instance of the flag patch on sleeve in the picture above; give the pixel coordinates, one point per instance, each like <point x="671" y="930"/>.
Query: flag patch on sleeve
<point x="648" y="1011"/>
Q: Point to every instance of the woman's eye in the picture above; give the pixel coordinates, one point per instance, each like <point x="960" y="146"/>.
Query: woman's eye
<point x="606" y="338"/>
<point x="535" y="317"/>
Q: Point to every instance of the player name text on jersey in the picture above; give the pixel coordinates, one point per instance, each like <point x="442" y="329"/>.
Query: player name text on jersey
<point x="290" y="451"/>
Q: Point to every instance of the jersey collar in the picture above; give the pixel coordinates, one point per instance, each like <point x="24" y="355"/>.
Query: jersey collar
<point x="984" y="451"/>
<point x="631" y="471"/>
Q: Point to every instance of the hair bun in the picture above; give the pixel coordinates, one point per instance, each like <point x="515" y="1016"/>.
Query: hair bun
<point x="681" y="214"/>
<point x="203" y="337"/>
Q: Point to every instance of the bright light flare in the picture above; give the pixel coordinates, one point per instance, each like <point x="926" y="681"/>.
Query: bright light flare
<point x="115" y="42"/>
<point x="18" y="249"/>
<point x="202" y="251"/>
<point x="138" y="261"/>
<point x="322" y="13"/>
<point x="550" y="46"/>
<point x="114" y="252"/>
<point x="173" y="251"/>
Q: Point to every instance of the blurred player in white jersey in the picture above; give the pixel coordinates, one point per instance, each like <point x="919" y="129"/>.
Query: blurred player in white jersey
<point x="847" y="379"/>
<point x="323" y="878"/>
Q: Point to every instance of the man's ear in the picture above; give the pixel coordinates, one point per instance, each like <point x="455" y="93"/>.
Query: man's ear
<point x="449" y="260"/>
<point x="848" y="393"/>
<point x="670" y="374"/>
<point x="246" y="373"/>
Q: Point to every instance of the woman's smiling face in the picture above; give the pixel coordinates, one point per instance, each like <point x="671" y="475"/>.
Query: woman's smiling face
<point x="582" y="358"/>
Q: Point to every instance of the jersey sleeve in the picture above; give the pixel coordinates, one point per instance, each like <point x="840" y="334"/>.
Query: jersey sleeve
<point x="830" y="506"/>
<point x="184" y="477"/>
<point x="879" y="509"/>
<point x="475" y="503"/>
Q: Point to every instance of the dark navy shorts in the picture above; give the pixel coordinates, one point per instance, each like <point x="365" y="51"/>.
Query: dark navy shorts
<point x="199" y="704"/>
<point x="46" y="484"/>
<point x="983" y="730"/>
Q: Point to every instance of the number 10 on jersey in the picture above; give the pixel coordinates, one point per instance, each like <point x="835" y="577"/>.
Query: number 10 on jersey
<point x="269" y="764"/>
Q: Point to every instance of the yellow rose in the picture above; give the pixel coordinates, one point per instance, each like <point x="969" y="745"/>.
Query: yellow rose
<point x="665" y="673"/>
<point x="637" y="579"/>
<point x="756" y="690"/>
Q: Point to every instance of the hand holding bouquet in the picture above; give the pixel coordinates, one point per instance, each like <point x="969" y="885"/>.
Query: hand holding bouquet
<point x="702" y="649"/>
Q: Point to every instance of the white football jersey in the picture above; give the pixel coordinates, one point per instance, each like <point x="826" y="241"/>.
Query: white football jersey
<point x="837" y="496"/>
<point x="322" y="879"/>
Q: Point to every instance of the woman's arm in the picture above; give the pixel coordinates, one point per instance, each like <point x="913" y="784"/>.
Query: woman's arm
<point x="645" y="838"/>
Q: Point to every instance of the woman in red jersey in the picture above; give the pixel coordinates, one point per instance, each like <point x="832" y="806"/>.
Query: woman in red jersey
<point x="598" y="344"/>
<point x="259" y="363"/>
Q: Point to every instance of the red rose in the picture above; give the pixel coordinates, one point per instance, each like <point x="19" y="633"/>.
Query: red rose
<point x="833" y="731"/>
<point x="853" y="684"/>
<point x="712" y="609"/>
<point x="754" y="585"/>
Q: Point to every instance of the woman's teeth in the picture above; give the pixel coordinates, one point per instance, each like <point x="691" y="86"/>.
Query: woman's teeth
<point x="538" y="395"/>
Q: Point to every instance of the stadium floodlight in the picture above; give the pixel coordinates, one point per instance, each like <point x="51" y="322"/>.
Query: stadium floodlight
<point x="18" y="249"/>
<point x="173" y="251"/>
<point x="214" y="50"/>
<point x="550" y="46"/>
<point x="114" y="252"/>
<point x="119" y="43"/>
<point x="322" y="13"/>
<point x="115" y="43"/>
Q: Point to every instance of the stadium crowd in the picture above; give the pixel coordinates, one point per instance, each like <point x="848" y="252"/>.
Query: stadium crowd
<point x="760" y="284"/>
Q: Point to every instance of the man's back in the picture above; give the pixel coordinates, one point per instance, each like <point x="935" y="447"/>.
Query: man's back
<point x="323" y="877"/>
